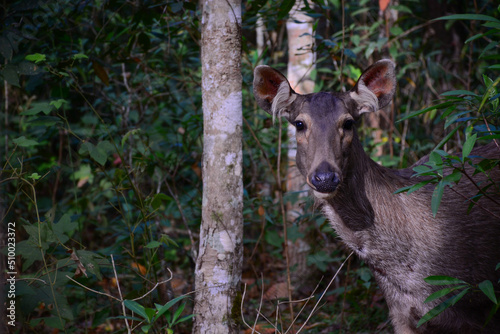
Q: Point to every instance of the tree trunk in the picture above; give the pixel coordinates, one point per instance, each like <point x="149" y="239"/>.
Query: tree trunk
<point x="375" y="120"/>
<point x="220" y="257"/>
<point x="300" y="64"/>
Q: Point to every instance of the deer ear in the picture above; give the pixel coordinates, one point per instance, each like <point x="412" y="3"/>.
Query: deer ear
<point x="272" y="91"/>
<point x="375" y="88"/>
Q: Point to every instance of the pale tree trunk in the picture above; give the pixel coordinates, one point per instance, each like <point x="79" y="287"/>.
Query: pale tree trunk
<point x="220" y="256"/>
<point x="300" y="64"/>
<point x="389" y="15"/>
<point x="259" y="32"/>
<point x="374" y="120"/>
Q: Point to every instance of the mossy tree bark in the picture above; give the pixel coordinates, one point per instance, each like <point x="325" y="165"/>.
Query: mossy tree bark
<point x="220" y="257"/>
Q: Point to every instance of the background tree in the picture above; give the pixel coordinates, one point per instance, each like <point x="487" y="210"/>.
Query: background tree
<point x="300" y="70"/>
<point x="220" y="258"/>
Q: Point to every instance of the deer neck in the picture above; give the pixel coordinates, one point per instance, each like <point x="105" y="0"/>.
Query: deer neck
<point x="364" y="181"/>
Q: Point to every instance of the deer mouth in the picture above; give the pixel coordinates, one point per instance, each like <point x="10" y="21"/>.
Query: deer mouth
<point x="322" y="192"/>
<point x="324" y="196"/>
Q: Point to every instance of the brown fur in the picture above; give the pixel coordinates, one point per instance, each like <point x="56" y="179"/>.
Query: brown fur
<point x="396" y="234"/>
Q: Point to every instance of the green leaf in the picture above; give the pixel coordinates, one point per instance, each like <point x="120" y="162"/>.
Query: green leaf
<point x="320" y="260"/>
<point x="24" y="142"/>
<point x="29" y="252"/>
<point x="162" y="309"/>
<point x="35" y="176"/>
<point x="36" y="57"/>
<point x="435" y="159"/>
<point x="9" y="74"/>
<point x="418" y="186"/>
<point x="402" y="190"/>
<point x="54" y="322"/>
<point x="421" y="169"/>
<point x="167" y="240"/>
<point x="402" y="8"/>
<point x="436" y="197"/>
<point x="442" y="293"/>
<point x="396" y="31"/>
<point x="473" y="38"/>
<point x="285" y="8"/>
<point x="487" y="288"/>
<point x="443" y="280"/>
<point x="153" y="244"/>
<point x="426" y="110"/>
<point x="187" y="317"/>
<point x="478" y="17"/>
<point x="79" y="56"/>
<point x="178" y="313"/>
<point x="86" y="147"/>
<point x="487" y="81"/>
<point x="454" y="177"/>
<point x="37" y="108"/>
<point x="92" y="262"/>
<point x="99" y="153"/>
<point x="273" y="238"/>
<point x="447" y="137"/>
<point x="58" y="103"/>
<point x="44" y="121"/>
<point x="294" y="233"/>
<point x="150" y="313"/>
<point x="441" y="307"/>
<point x="64" y="228"/>
<point x="157" y="200"/>
<point x="40" y="233"/>
<point x="136" y="308"/>
<point x="458" y="92"/>
<point x="468" y="145"/>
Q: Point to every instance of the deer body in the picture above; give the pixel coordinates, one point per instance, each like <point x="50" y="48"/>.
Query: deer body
<point x="396" y="234"/>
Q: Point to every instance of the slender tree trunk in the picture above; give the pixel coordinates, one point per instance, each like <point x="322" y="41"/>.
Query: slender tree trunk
<point x="300" y="64"/>
<point x="220" y="257"/>
<point x="376" y="120"/>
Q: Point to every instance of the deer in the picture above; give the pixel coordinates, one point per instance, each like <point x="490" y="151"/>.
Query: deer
<point x="396" y="234"/>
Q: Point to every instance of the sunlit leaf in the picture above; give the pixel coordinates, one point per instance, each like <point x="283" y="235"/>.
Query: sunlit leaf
<point x="36" y="57"/>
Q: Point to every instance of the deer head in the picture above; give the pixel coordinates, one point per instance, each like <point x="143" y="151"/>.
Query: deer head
<point x="327" y="143"/>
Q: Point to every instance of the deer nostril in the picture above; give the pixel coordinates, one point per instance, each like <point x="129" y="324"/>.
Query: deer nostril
<point x="325" y="181"/>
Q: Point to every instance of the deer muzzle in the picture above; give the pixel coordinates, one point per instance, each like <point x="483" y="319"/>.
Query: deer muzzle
<point x="324" y="180"/>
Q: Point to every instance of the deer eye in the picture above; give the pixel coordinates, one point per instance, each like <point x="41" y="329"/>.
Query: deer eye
<point x="299" y="125"/>
<point x="348" y="124"/>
